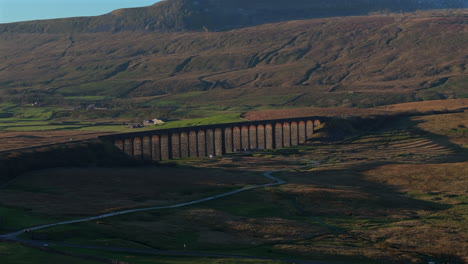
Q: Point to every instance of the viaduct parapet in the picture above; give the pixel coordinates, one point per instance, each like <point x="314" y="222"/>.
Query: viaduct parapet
<point x="215" y="140"/>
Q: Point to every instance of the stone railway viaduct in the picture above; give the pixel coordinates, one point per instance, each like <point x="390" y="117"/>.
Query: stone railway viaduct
<point x="215" y="140"/>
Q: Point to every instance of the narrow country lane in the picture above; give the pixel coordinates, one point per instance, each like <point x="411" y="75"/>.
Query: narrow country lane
<point x="13" y="237"/>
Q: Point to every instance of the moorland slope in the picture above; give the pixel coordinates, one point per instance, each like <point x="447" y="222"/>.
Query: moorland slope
<point x="345" y="62"/>
<point x="202" y="15"/>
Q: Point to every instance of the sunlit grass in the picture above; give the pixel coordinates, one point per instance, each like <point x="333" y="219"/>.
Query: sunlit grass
<point x="218" y="119"/>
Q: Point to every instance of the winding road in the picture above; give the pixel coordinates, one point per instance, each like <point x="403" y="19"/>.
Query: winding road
<point x="269" y="174"/>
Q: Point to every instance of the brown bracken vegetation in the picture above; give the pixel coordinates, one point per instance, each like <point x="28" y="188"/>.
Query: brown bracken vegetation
<point x="394" y="195"/>
<point x="17" y="140"/>
<point x="403" y="108"/>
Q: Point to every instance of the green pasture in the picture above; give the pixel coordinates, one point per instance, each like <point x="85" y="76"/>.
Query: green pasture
<point x="211" y="120"/>
<point x="14" y="219"/>
<point x="11" y="253"/>
<point x="27" y="112"/>
<point x="335" y="198"/>
<point x="23" y="125"/>
<point x="107" y="88"/>
<point x="161" y="259"/>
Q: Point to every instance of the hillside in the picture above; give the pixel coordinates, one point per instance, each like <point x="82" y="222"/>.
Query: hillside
<point x="342" y="62"/>
<point x="216" y="15"/>
<point x="393" y="193"/>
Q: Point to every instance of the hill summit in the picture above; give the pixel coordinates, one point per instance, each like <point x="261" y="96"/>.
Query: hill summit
<point x="220" y="15"/>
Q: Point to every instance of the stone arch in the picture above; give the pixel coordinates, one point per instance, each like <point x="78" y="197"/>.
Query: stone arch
<point x="294" y="134"/>
<point x="218" y="142"/>
<point x="156" y="147"/>
<point x="210" y="148"/>
<point x="286" y="134"/>
<point x="165" y="149"/>
<point x="236" y="136"/>
<point x="269" y="136"/>
<point x="278" y="135"/>
<point x="193" y="143"/>
<point x="184" y="145"/>
<point x="261" y="136"/>
<point x="147" y="148"/>
<point x="253" y="137"/>
<point x="119" y="144"/>
<point x="175" y="145"/>
<point x="245" y="138"/>
<point x="137" y="147"/>
<point x="201" y="139"/>
<point x="302" y="132"/>
<point x="309" y="128"/>
<point x="128" y="146"/>
<point x="228" y="143"/>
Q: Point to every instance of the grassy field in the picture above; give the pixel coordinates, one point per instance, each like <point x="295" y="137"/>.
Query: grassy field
<point x="217" y="119"/>
<point x="17" y="254"/>
<point x="29" y="112"/>
<point x="391" y="191"/>
<point x="16" y="218"/>
<point x="148" y="259"/>
<point x="396" y="194"/>
<point x="25" y="133"/>
<point x="78" y="192"/>
<point x="16" y="132"/>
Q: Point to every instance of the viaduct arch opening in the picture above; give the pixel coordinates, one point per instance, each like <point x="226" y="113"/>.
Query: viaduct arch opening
<point x="215" y="140"/>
